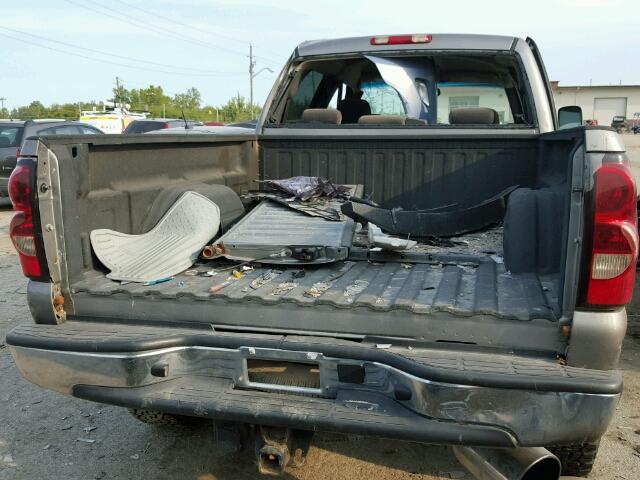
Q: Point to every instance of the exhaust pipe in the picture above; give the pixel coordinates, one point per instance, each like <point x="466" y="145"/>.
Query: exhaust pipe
<point x="534" y="463"/>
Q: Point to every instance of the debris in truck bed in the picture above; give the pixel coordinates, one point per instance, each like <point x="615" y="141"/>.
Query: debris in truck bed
<point x="284" y="288"/>
<point x="274" y="234"/>
<point x="213" y="251"/>
<point x="167" y="249"/>
<point x="157" y="281"/>
<point x="485" y="242"/>
<point x="387" y="242"/>
<point x="317" y="289"/>
<point x="304" y="188"/>
<point x="420" y="223"/>
<point x="328" y="210"/>
<point x="323" y="207"/>
<point x="356" y="288"/>
<point x="219" y="286"/>
<point x="264" y="278"/>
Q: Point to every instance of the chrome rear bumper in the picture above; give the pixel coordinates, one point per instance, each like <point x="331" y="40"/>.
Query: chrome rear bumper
<point x="211" y="381"/>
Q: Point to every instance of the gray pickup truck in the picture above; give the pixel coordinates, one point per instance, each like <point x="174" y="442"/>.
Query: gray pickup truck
<point x="502" y="342"/>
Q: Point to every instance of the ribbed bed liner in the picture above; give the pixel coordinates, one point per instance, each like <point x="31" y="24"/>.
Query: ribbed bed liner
<point x="485" y="288"/>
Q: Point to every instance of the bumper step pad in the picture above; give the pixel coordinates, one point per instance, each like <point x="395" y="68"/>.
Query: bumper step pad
<point x="364" y="413"/>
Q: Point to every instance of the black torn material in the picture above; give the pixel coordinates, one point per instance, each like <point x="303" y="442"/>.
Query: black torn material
<point x="420" y="223"/>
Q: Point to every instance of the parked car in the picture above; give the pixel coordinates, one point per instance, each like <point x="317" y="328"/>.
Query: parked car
<point x="150" y="124"/>
<point x="512" y="346"/>
<point x="619" y="124"/>
<point x="636" y="128"/>
<point x="14" y="132"/>
<point x="251" y="124"/>
<point x="204" y="129"/>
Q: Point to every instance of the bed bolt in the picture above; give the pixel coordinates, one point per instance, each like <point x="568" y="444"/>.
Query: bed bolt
<point x="48" y="227"/>
<point x="252" y="351"/>
<point x="44" y="187"/>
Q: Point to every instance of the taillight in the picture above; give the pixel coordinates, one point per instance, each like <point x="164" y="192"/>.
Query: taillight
<point x="165" y="125"/>
<point x="400" y="39"/>
<point x="614" y="249"/>
<point x="23" y="229"/>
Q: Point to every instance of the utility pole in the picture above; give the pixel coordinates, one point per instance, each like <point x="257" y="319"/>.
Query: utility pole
<point x="252" y="66"/>
<point x="253" y="74"/>
<point x="117" y="99"/>
<point x="2" y="100"/>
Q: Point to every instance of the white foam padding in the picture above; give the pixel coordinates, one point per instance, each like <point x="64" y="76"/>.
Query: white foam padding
<point x="169" y="248"/>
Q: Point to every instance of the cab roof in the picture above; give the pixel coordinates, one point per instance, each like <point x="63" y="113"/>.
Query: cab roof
<point x="438" y="41"/>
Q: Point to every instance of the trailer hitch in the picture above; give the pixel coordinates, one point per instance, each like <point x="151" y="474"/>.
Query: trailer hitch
<point x="276" y="448"/>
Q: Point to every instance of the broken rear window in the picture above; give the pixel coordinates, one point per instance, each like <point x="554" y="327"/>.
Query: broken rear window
<point x="421" y="90"/>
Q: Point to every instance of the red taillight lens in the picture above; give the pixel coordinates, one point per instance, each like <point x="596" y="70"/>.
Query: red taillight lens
<point x="400" y="39"/>
<point x="22" y="229"/>
<point x="165" y="125"/>
<point x="20" y="188"/>
<point x="615" y="237"/>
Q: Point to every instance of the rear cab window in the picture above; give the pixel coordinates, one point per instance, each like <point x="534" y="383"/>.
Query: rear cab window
<point x="416" y="90"/>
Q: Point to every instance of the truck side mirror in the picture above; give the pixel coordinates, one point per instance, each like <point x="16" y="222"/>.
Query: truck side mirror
<point x="569" y="117"/>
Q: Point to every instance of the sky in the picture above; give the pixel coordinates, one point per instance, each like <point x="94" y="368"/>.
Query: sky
<point x="58" y="51"/>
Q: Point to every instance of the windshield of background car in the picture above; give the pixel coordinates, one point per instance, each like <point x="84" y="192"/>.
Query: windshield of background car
<point x="421" y="89"/>
<point x="9" y="136"/>
<point x="144" y="126"/>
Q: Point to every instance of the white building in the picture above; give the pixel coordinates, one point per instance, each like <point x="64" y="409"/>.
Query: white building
<point x="600" y="102"/>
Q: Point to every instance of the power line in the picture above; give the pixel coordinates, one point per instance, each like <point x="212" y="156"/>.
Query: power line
<point x="101" y="60"/>
<point x="192" y="27"/>
<point x="103" y="10"/>
<point x="99" y="52"/>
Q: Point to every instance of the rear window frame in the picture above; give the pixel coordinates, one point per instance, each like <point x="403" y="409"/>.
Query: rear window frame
<point x="526" y="95"/>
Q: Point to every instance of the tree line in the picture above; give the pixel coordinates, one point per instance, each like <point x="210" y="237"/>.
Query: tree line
<point x="152" y="99"/>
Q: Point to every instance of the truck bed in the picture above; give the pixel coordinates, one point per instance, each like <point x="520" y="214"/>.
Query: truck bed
<point x="459" y="295"/>
<point x="403" y="300"/>
<point x="420" y="289"/>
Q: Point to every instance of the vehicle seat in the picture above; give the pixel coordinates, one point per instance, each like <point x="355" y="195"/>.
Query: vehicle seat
<point x="322" y="115"/>
<point x="381" y="120"/>
<point x="353" y="108"/>
<point x="474" y="116"/>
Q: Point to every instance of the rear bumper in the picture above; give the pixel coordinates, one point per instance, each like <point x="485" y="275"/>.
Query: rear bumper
<point x="427" y="395"/>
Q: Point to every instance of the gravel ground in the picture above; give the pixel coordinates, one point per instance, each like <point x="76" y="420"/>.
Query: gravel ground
<point x="50" y="436"/>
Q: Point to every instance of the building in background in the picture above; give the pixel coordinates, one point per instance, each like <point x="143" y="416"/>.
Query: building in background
<point x="601" y="102"/>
